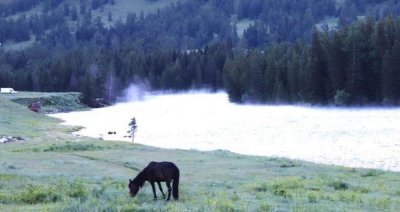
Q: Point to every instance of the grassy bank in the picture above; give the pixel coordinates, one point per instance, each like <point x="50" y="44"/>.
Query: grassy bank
<point x="51" y="102"/>
<point x="55" y="171"/>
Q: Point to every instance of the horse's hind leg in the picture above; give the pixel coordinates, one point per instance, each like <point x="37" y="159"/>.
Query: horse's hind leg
<point x="154" y="190"/>
<point x="169" y="190"/>
<point x="159" y="186"/>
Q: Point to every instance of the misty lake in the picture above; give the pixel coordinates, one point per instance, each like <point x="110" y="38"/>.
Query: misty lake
<point x="367" y="137"/>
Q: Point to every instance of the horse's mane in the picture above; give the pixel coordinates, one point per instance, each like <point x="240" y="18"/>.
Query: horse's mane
<point x="140" y="179"/>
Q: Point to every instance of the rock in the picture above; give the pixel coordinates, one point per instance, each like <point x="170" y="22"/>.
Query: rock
<point x="8" y="139"/>
<point x="2" y="140"/>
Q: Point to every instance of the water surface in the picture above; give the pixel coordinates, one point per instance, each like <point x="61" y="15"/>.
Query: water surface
<point x="368" y="137"/>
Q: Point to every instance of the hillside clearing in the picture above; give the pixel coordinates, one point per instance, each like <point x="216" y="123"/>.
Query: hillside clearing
<point x="122" y="8"/>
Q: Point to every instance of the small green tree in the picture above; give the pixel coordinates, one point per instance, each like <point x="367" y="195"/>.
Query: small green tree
<point x="342" y="98"/>
<point x="132" y="128"/>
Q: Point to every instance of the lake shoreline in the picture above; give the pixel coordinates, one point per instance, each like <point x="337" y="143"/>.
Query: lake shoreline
<point x="363" y="138"/>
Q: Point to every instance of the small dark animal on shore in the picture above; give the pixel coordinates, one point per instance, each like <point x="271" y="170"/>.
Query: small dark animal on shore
<point x="156" y="173"/>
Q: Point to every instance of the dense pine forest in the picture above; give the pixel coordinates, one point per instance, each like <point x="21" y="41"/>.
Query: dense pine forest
<point x="289" y="53"/>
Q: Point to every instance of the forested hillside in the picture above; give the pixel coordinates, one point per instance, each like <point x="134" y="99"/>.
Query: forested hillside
<point x="282" y="56"/>
<point x="358" y="64"/>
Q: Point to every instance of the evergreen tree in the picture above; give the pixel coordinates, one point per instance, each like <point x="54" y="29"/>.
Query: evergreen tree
<point x="132" y="128"/>
<point x="356" y="75"/>
<point x="337" y="63"/>
<point x="391" y="76"/>
<point x="235" y="76"/>
<point x="88" y="93"/>
<point x="318" y="72"/>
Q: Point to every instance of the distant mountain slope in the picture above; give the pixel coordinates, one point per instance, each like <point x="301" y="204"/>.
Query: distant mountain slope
<point x="256" y="22"/>
<point x="108" y="11"/>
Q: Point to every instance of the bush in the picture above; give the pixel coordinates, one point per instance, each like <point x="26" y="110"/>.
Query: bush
<point x="5" y="198"/>
<point x="265" y="207"/>
<point x="39" y="194"/>
<point x="339" y="185"/>
<point x="313" y="196"/>
<point x="284" y="186"/>
<point x="224" y="206"/>
<point x="78" y="190"/>
<point x="371" y="173"/>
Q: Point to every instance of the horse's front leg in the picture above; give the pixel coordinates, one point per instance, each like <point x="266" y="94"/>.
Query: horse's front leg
<point x="159" y="186"/>
<point x="169" y="190"/>
<point x="154" y="190"/>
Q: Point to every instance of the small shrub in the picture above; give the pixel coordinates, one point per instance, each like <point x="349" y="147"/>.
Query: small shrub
<point x="263" y="187"/>
<point x="287" y="165"/>
<point x="224" y="206"/>
<point x="11" y="167"/>
<point x="265" y="207"/>
<point x="349" y="196"/>
<point x="5" y="198"/>
<point x="342" y="98"/>
<point x="361" y="190"/>
<point x="371" y="173"/>
<point x="289" y="183"/>
<point x="381" y="202"/>
<point x="313" y="196"/>
<point x="235" y="197"/>
<point x="78" y="190"/>
<point x="282" y="192"/>
<point x="39" y="194"/>
<point x="284" y="187"/>
<point x="339" y="185"/>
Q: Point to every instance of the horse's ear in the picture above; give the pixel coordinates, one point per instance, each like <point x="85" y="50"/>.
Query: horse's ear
<point x="130" y="180"/>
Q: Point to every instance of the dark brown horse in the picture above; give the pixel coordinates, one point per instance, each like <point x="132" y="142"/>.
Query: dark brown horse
<point x="156" y="173"/>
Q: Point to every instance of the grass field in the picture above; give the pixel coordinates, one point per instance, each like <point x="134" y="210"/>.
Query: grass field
<point x="53" y="170"/>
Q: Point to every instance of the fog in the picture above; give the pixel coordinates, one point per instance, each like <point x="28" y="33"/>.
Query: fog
<point x="368" y="138"/>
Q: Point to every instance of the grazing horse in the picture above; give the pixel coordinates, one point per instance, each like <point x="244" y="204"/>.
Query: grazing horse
<point x="155" y="173"/>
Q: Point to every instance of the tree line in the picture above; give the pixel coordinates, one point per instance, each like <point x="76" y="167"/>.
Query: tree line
<point x="191" y="24"/>
<point x="355" y="65"/>
<point x="102" y="74"/>
<point x="195" y="45"/>
<point x="358" y="64"/>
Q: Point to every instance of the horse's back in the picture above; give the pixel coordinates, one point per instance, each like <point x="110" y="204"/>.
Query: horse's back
<point x="165" y="164"/>
<point x="164" y="169"/>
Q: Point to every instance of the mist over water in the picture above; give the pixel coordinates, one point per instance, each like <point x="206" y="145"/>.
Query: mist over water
<point x="135" y="92"/>
<point x="368" y="138"/>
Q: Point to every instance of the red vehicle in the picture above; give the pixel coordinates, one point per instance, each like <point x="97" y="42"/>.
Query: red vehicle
<point x="35" y="107"/>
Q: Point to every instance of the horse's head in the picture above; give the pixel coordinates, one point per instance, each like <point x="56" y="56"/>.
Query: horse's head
<point x="133" y="188"/>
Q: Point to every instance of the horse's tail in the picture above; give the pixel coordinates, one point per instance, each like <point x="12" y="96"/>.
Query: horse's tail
<point x="175" y="185"/>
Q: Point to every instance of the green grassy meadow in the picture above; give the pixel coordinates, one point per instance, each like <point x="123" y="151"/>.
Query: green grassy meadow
<point x="53" y="170"/>
<point x="50" y="102"/>
<point x="122" y="8"/>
